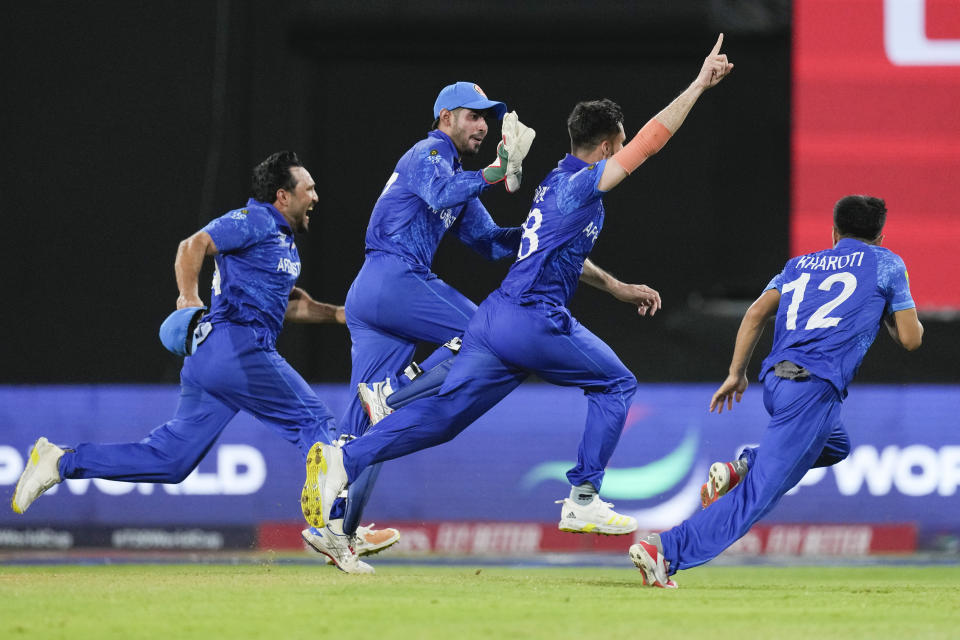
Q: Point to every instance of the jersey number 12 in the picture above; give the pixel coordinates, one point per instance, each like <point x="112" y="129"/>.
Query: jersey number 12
<point x="819" y="319"/>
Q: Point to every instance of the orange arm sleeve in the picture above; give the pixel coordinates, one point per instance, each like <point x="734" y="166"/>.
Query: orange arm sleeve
<point x="647" y="142"/>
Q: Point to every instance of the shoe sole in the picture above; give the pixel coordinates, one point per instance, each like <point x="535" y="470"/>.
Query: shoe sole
<point x="640" y="559"/>
<point x="715" y="482"/>
<point x="596" y="529"/>
<point x="311" y="501"/>
<point x="372" y="551"/>
<point x="364" y="404"/>
<point x="33" y="463"/>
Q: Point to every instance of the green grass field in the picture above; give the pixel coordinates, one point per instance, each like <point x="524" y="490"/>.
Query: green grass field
<point x="282" y="602"/>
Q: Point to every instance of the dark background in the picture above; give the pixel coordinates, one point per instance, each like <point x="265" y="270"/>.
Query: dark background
<point x="128" y="125"/>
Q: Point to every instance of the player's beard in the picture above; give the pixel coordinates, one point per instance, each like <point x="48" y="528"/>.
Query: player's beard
<point x="465" y="143"/>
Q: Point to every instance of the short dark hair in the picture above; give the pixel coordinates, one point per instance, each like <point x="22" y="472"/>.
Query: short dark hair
<point x="273" y="174"/>
<point x="593" y="121"/>
<point x="860" y="217"/>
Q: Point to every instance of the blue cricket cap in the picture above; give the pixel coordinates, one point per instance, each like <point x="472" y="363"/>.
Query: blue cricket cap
<point x="176" y="332"/>
<point x="469" y="95"/>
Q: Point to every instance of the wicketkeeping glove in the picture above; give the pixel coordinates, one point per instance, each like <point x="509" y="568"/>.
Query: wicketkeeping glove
<point x="513" y="148"/>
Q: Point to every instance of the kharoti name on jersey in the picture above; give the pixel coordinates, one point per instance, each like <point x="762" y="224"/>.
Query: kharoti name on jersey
<point x="830" y="263"/>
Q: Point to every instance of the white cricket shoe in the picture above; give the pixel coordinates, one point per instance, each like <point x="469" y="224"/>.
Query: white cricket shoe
<point x="647" y="555"/>
<point x="369" y="541"/>
<point x="723" y="477"/>
<point x="340" y="549"/>
<point x="373" y="397"/>
<point x="40" y="474"/>
<point x="326" y="478"/>
<point x="596" y="517"/>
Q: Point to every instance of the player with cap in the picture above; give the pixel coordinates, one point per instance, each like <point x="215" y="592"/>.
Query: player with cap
<point x="231" y="362"/>
<point x="525" y="327"/>
<point x="395" y="300"/>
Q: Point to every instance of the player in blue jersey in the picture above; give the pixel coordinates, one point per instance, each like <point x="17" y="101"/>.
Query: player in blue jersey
<point x="829" y="306"/>
<point x="525" y="327"/>
<point x="234" y="364"/>
<point x="396" y="300"/>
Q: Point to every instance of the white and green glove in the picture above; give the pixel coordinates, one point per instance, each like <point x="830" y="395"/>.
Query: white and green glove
<point x="513" y="148"/>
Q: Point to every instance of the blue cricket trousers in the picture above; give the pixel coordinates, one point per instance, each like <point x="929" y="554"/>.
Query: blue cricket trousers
<point x="230" y="372"/>
<point x="390" y="308"/>
<point x="504" y="343"/>
<point x="804" y="431"/>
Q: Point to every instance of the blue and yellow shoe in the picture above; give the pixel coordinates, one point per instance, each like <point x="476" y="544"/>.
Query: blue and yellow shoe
<point x="326" y="477"/>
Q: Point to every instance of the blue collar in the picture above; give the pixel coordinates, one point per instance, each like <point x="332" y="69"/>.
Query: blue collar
<point x="281" y="221"/>
<point x="441" y="136"/>
<point x="572" y="163"/>
<point x="850" y="242"/>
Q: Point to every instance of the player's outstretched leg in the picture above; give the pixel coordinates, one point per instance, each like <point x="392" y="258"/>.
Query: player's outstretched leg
<point x="338" y="547"/>
<point x="647" y="555"/>
<point x="594" y="517"/>
<point x="326" y="478"/>
<point x="40" y="474"/>
<point x="723" y="477"/>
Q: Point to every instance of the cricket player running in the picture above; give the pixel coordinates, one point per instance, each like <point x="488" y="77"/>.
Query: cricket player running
<point x="232" y="362"/>
<point x="525" y="327"/>
<point x="396" y="300"/>
<point x="828" y="306"/>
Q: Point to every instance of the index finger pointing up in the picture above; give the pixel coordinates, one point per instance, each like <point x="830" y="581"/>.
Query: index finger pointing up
<point x="716" y="47"/>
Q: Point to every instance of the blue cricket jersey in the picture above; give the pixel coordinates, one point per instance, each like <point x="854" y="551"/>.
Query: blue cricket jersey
<point x="257" y="265"/>
<point x="558" y="235"/>
<point x="429" y="193"/>
<point x="831" y="307"/>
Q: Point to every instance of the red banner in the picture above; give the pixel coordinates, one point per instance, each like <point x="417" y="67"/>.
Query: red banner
<point x="876" y="110"/>
<point x="525" y="538"/>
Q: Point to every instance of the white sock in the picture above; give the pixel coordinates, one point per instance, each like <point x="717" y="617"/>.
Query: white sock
<point x="583" y="494"/>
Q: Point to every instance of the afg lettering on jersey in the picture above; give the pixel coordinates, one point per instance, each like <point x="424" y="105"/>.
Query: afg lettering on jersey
<point x="289" y="266"/>
<point x="257" y="264"/>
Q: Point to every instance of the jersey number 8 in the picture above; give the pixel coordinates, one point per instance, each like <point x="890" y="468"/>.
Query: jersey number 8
<point x="529" y="241"/>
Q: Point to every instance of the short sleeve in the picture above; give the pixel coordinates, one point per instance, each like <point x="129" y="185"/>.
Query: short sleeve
<point x="894" y="282"/>
<point x="580" y="189"/>
<point x="238" y="229"/>
<point x="775" y="283"/>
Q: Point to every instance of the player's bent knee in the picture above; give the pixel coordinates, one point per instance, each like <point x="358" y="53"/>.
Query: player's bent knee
<point x="178" y="472"/>
<point x="624" y="385"/>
